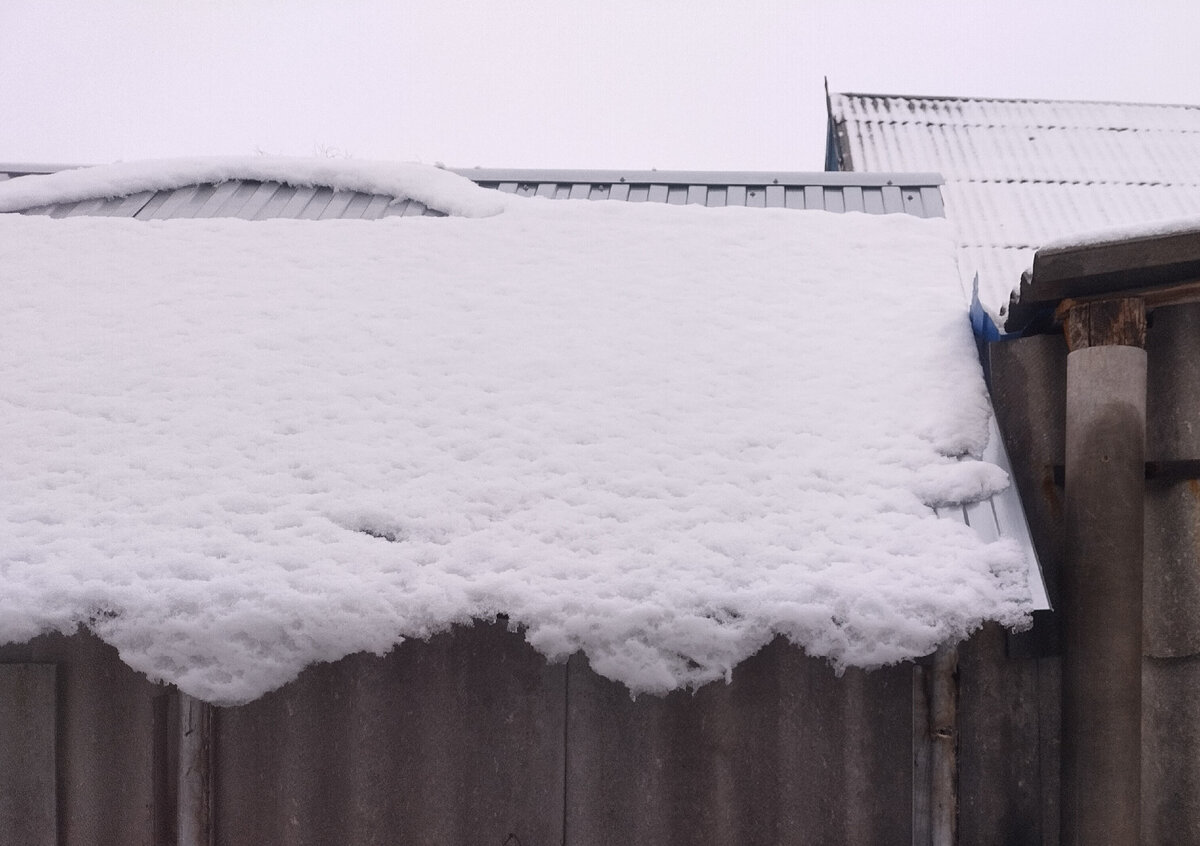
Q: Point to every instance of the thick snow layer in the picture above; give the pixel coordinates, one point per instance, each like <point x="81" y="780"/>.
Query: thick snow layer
<point x="660" y="435"/>
<point x="438" y="189"/>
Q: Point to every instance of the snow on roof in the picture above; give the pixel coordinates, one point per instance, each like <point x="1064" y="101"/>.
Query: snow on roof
<point x="434" y="187"/>
<point x="1022" y="173"/>
<point x="660" y="435"/>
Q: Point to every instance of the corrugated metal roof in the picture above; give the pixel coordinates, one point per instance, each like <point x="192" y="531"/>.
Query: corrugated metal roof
<point x="1021" y="173"/>
<point x="915" y="193"/>
<point x="246" y="199"/>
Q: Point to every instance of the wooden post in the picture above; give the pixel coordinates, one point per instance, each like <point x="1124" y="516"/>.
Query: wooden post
<point x="943" y="731"/>
<point x="922" y="817"/>
<point x="1102" y="576"/>
<point x="195" y="822"/>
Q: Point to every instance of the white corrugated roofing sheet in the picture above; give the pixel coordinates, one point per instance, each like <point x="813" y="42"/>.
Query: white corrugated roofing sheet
<point x="1020" y="173"/>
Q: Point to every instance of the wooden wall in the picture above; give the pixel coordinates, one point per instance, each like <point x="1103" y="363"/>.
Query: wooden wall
<point x="98" y="718"/>
<point x="1028" y="381"/>
<point x="472" y="737"/>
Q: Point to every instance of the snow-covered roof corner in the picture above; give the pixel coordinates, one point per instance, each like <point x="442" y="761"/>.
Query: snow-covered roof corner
<point x="1022" y="173"/>
<point x="1147" y="231"/>
<point x="661" y="435"/>
<point x="435" y="187"/>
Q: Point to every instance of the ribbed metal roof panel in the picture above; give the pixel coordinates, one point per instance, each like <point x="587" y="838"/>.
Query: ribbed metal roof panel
<point x="1030" y="214"/>
<point x="1021" y="173"/>
<point x="911" y="193"/>
<point x="1030" y="153"/>
<point x="1018" y="112"/>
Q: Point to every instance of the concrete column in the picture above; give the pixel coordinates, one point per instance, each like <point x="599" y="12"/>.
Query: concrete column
<point x="1102" y="591"/>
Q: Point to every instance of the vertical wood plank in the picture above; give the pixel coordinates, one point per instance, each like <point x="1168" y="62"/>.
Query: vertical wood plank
<point x="1029" y="388"/>
<point x="1170" y="763"/>
<point x="999" y="756"/>
<point x="1171" y="671"/>
<point x="165" y="801"/>
<point x="28" y="804"/>
<point x="195" y="801"/>
<point x="1049" y="711"/>
<point x="921" y="835"/>
<point x="1172" y="579"/>
<point x="105" y="740"/>
<point x="943" y="731"/>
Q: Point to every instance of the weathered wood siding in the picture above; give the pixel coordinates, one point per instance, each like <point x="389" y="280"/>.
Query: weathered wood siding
<point x="28" y="800"/>
<point x="787" y="753"/>
<point x="103" y="723"/>
<point x="1008" y="744"/>
<point x="455" y="740"/>
<point x="1171" y="669"/>
<point x="472" y="737"/>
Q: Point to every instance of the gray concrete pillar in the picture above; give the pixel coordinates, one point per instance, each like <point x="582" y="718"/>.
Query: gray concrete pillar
<point x="1102" y="596"/>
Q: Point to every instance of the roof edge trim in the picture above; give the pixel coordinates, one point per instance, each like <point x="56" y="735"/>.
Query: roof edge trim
<point x="964" y="99"/>
<point x="699" y="177"/>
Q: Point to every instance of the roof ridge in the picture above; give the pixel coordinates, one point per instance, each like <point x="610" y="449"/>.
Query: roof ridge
<point x="1004" y="246"/>
<point x="961" y="99"/>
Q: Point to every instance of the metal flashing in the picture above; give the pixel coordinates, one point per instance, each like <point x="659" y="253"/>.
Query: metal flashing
<point x="696" y="177"/>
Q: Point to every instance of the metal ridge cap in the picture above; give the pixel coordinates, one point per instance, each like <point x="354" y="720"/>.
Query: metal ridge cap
<point x="959" y="98"/>
<point x="701" y="177"/>
<point x="632" y="177"/>
<point x="28" y="169"/>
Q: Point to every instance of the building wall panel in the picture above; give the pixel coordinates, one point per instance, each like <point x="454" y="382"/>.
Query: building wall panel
<point x="105" y="740"/>
<point x="28" y="801"/>
<point x="458" y="739"/>
<point x="787" y="754"/>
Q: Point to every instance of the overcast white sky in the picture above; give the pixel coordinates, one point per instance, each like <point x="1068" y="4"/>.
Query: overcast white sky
<point x="544" y="83"/>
